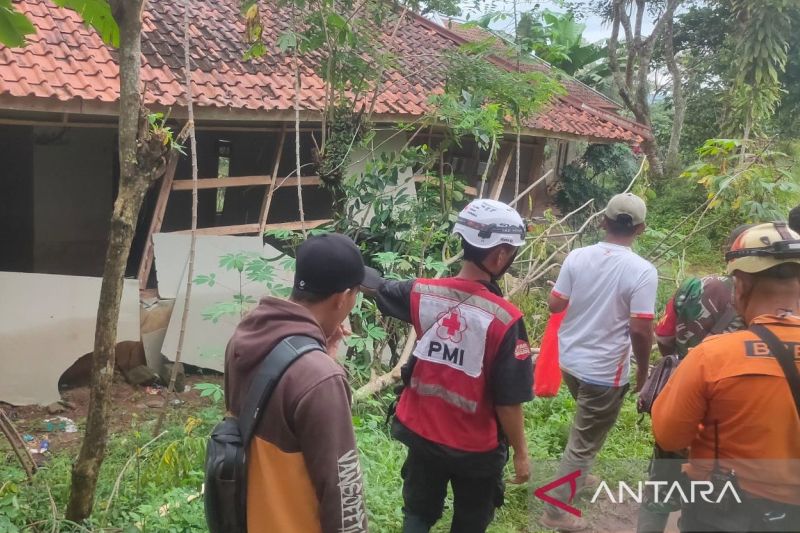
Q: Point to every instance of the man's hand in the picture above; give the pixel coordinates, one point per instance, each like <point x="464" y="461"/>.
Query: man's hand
<point x="336" y="338"/>
<point x="522" y="468"/>
<point x="369" y="292"/>
<point x="641" y="377"/>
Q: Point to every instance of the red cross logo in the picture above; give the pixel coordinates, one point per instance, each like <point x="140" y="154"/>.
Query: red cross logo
<point x="452" y="325"/>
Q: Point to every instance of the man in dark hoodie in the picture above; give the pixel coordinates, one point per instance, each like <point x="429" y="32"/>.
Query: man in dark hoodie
<point x="303" y="469"/>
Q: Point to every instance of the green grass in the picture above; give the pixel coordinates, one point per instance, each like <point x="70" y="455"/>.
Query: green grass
<point x="156" y="486"/>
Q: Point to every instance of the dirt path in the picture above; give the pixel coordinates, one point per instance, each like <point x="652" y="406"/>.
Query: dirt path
<point x="130" y="403"/>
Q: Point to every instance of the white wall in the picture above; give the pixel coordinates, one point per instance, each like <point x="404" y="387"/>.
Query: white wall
<point x="385" y="141"/>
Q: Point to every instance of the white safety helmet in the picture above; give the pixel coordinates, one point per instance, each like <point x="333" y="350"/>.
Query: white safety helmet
<point x="488" y="223"/>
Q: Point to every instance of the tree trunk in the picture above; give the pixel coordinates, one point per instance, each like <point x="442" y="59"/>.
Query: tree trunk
<point x="134" y="183"/>
<point x="633" y="84"/>
<point x="650" y="149"/>
<point x="678" y="103"/>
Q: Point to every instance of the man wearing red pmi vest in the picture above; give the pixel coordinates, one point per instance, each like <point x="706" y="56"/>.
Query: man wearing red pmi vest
<point x="471" y="368"/>
<point x="609" y="293"/>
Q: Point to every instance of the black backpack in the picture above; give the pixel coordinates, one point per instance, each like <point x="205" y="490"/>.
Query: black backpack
<point x="225" y="486"/>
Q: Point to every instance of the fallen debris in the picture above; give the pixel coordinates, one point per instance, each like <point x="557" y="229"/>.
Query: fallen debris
<point x="55" y="408"/>
<point x="60" y="423"/>
<point x="140" y="375"/>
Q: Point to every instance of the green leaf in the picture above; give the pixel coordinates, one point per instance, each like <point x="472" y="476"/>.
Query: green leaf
<point x="256" y="50"/>
<point x="204" y="279"/>
<point x="287" y="41"/>
<point x="234" y="261"/>
<point x="96" y="14"/>
<point x="14" y="26"/>
<point x="336" y="21"/>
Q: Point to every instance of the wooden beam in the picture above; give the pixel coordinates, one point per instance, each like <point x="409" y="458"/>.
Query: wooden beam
<point x="242" y="181"/>
<point x="530" y="188"/>
<point x="297" y="226"/>
<point x="254" y="228"/>
<point x="146" y="264"/>
<point x="267" y="202"/>
<point x="497" y="187"/>
<point x="291" y="181"/>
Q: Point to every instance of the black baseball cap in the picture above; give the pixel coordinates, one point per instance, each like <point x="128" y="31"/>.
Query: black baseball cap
<point x="331" y="263"/>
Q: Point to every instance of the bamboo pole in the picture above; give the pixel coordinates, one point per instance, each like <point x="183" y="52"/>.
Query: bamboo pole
<point x="297" y="89"/>
<point x="17" y="444"/>
<point x="271" y="189"/>
<point x="193" y="242"/>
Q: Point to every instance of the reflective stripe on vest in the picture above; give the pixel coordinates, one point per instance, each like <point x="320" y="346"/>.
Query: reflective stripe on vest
<point x="460" y="325"/>
<point x="454" y="399"/>
<point x="466" y="298"/>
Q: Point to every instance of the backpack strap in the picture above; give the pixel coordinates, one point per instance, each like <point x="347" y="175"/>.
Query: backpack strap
<point x="785" y="358"/>
<point x="267" y="377"/>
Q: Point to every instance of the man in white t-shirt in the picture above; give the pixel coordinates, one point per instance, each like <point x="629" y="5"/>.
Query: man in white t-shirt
<point x="610" y="294"/>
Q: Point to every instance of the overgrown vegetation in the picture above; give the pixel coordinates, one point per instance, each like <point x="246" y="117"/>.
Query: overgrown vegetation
<point x="155" y="486"/>
<point x="736" y="162"/>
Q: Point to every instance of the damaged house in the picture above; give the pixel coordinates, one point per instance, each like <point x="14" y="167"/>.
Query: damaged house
<point x="59" y="168"/>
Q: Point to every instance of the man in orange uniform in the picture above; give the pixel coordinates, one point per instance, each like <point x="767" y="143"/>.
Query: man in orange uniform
<point x="735" y="405"/>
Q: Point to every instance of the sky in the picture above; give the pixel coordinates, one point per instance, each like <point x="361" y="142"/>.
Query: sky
<point x="595" y="29"/>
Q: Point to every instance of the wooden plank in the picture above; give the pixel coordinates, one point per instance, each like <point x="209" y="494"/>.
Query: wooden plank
<point x="217" y="183"/>
<point x="292" y="181"/>
<point x="146" y="264"/>
<point x="530" y="187"/>
<point x="221" y="230"/>
<point x="267" y="202"/>
<point x="254" y="228"/>
<point x="297" y="226"/>
<point x="497" y="186"/>
<point x="242" y="181"/>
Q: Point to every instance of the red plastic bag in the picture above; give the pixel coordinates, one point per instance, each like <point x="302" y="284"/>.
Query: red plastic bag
<point x="547" y="373"/>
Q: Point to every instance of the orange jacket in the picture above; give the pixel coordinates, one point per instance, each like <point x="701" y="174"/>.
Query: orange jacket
<point x="732" y="381"/>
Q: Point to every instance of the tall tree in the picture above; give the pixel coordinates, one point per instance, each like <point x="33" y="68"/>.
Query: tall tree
<point x="144" y="145"/>
<point x="558" y="39"/>
<point x="700" y="42"/>
<point x="761" y="53"/>
<point x="673" y="166"/>
<point x="632" y="81"/>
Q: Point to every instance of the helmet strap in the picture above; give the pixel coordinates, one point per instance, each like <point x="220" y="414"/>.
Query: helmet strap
<point x="494" y="277"/>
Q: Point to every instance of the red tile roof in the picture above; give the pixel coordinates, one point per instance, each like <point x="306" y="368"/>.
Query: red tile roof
<point x="474" y="33"/>
<point x="65" y="62"/>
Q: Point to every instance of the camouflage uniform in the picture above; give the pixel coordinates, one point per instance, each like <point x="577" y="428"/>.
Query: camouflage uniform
<point x="700" y="307"/>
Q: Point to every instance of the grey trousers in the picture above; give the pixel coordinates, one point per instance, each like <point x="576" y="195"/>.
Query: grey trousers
<point x="597" y="410"/>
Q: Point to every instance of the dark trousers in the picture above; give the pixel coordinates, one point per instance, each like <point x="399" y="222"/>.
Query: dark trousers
<point x="750" y="515"/>
<point x="666" y="467"/>
<point x="476" y="494"/>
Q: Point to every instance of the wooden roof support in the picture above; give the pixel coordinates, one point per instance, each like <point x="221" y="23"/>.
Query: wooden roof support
<point x="146" y="263"/>
<point x="497" y="186"/>
<point x="530" y="188"/>
<point x="267" y="202"/>
<point x="255" y="228"/>
<point x="242" y="181"/>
